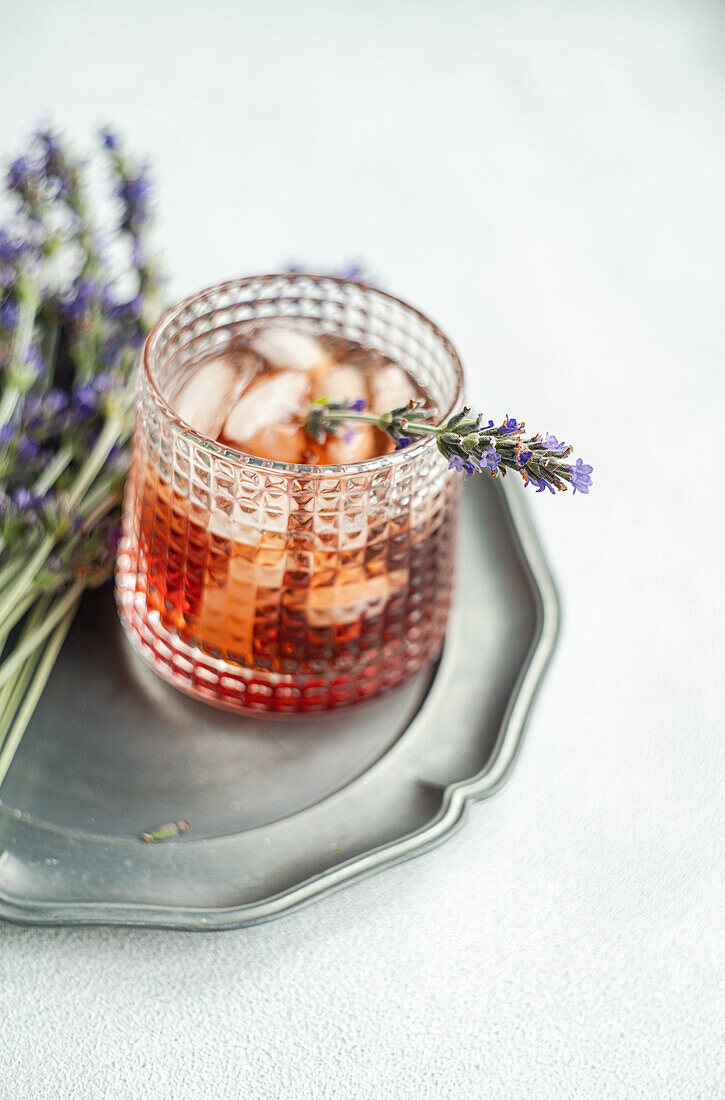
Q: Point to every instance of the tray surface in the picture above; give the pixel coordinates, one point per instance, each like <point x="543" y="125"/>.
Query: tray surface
<point x="280" y="810"/>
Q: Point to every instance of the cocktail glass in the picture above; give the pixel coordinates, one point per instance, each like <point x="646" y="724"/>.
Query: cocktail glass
<point x="267" y="586"/>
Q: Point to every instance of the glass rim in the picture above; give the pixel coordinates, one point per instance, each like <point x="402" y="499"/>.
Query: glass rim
<point x="289" y="469"/>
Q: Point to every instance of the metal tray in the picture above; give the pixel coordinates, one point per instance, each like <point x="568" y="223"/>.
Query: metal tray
<point x="280" y="811"/>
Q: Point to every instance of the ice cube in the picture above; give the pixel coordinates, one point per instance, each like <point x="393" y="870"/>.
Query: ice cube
<point x="343" y="382"/>
<point x="284" y="345"/>
<point x="267" y="419"/>
<point x="390" y="387"/>
<point x="204" y="400"/>
<point x="280" y="443"/>
<point x="356" y="444"/>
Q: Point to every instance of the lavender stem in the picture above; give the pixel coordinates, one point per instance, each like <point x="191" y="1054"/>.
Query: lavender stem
<point x="40" y="678"/>
<point x="21" y="345"/>
<point x="11" y="693"/>
<point x="53" y="470"/>
<point x="41" y="632"/>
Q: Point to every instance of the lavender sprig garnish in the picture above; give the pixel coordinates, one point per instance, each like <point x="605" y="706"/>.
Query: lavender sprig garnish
<point x="469" y="445"/>
<point x="76" y="300"/>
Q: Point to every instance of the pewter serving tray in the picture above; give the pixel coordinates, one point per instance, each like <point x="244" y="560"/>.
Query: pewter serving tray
<point x="281" y="811"/>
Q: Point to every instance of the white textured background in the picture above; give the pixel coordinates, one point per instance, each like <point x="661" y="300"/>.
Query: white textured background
<point x="547" y="179"/>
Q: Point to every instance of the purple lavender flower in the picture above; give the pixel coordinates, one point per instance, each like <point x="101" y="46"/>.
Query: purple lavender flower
<point x="8" y="247"/>
<point x="32" y="416"/>
<point x="35" y="360"/>
<point x="55" y="401"/>
<point x="25" y="500"/>
<point x="135" y="189"/>
<point x="84" y="292"/>
<point x="56" y="170"/>
<point x="134" y="192"/>
<point x="551" y="443"/>
<point x="85" y="400"/>
<point x="13" y="254"/>
<point x="104" y="383"/>
<point x="8" y="314"/>
<point x="110" y="140"/>
<point x="108" y="300"/>
<point x="509" y="426"/>
<point x="490" y="459"/>
<point x="121" y="311"/>
<point x="7" y="433"/>
<point x="113" y="347"/>
<point x="401" y="442"/>
<point x="524" y="457"/>
<point x="581" y="476"/>
<point x="19" y="174"/>
<point x="357" y="406"/>
<point x="463" y="465"/>
<point x="354" y="272"/>
<point x="541" y="482"/>
<point x="28" y="450"/>
<point x="12" y="249"/>
<point x="52" y="147"/>
<point x="116" y="452"/>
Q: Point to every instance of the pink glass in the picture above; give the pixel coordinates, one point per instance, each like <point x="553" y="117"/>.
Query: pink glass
<point x="266" y="586"/>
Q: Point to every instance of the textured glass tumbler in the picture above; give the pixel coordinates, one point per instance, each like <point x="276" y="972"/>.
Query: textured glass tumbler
<point x="266" y="586"/>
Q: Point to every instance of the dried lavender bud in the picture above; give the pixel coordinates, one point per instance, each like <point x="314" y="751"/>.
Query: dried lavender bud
<point x="165" y="832"/>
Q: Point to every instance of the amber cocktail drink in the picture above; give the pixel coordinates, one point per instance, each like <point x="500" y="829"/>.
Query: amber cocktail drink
<point x="259" y="568"/>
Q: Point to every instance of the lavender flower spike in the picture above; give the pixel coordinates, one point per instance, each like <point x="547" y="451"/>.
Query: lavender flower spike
<point x="468" y="445"/>
<point x="19" y="174"/>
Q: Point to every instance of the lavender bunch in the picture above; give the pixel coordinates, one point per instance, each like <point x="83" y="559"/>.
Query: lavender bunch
<point x="469" y="445"/>
<point x="77" y="298"/>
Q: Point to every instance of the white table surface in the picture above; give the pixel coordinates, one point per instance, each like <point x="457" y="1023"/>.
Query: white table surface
<point x="547" y="180"/>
